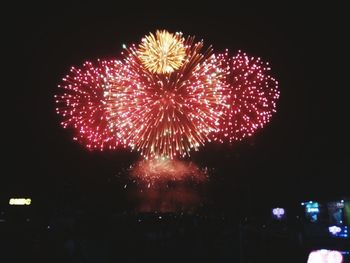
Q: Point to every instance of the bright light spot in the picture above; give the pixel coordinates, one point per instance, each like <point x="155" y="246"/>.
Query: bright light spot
<point x="325" y="256"/>
<point x="278" y="212"/>
<point x="20" y="201"/>
<point x="313" y="209"/>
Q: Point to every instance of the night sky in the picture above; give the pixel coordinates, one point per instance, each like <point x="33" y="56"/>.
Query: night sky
<point x="302" y="153"/>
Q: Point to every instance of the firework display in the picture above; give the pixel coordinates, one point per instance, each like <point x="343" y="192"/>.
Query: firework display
<point x="166" y="97"/>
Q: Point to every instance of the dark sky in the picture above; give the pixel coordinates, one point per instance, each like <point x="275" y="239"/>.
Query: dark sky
<point x="302" y="153"/>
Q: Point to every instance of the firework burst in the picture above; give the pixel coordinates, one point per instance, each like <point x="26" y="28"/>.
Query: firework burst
<point x="168" y="115"/>
<point x="163" y="52"/>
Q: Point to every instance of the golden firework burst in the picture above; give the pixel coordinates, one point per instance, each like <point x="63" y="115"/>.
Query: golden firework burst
<point x="163" y="52"/>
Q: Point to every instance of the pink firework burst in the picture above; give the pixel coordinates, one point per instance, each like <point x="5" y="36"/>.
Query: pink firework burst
<point x="252" y="95"/>
<point x="82" y="105"/>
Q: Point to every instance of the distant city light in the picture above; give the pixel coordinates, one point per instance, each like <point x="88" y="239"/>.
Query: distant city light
<point x="313" y="210"/>
<point x="340" y="205"/>
<point x="334" y="230"/>
<point x="309" y="203"/>
<point x="339" y="231"/>
<point x="312" y="206"/>
<point x="325" y="256"/>
<point x="20" y="201"/>
<point x="278" y="212"/>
